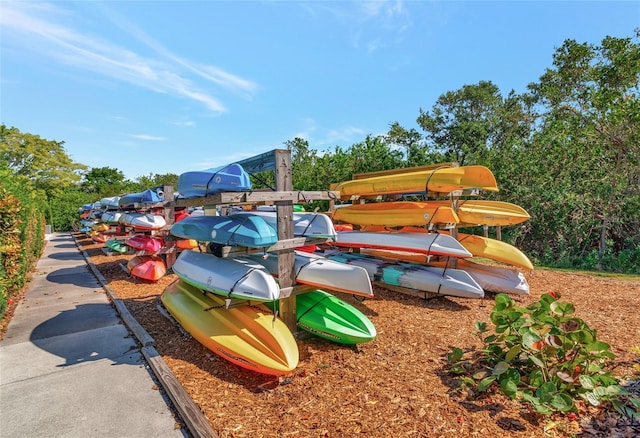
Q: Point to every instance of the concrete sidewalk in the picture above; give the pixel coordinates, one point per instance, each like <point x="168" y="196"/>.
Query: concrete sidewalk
<point x="68" y="365"/>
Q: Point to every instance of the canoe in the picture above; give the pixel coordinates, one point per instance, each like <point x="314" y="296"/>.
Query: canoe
<point x="111" y="217"/>
<point x="142" y="242"/>
<point x="451" y="282"/>
<point x="493" y="278"/>
<point x="116" y="245"/>
<point x="327" y="316"/>
<point x="443" y="180"/>
<point x="478" y="246"/>
<point x="248" y="336"/>
<point x="147" y="267"/>
<point x="241" y="230"/>
<point x="474" y="212"/>
<point x="142" y="221"/>
<point x="318" y="271"/>
<point x="304" y="224"/>
<point x="148" y="196"/>
<point x="225" y="277"/>
<point x="396" y="214"/>
<point x="230" y="178"/>
<point x="427" y="243"/>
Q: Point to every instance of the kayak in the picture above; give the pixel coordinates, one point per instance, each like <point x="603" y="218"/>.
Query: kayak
<point x="396" y="214"/>
<point x="493" y="278"/>
<point x="248" y="336"/>
<point x="230" y="178"/>
<point x="111" y="217"/>
<point x="327" y="316"/>
<point x="315" y="270"/>
<point x="142" y="221"/>
<point x="452" y="282"/>
<point x="148" y="196"/>
<point x="443" y="180"/>
<point x="226" y="277"/>
<point x="142" y="242"/>
<point x="147" y="267"/>
<point x="242" y="230"/>
<point x="304" y="224"/>
<point x="427" y="243"/>
<point x="116" y="245"/>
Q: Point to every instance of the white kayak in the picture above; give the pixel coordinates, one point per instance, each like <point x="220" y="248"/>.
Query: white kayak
<point x="318" y="271"/>
<point x="223" y="276"/>
<point x="304" y="224"/>
<point x="142" y="221"/>
<point x="452" y="282"/>
<point x="111" y="217"/>
<point x="494" y="278"/>
<point x="427" y="243"/>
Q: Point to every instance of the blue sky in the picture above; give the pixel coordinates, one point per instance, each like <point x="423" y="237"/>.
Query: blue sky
<point x="175" y="86"/>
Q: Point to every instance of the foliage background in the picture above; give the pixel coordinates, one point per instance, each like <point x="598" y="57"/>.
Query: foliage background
<point x="567" y="150"/>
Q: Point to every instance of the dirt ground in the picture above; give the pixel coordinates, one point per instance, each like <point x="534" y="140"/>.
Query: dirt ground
<point x="398" y="384"/>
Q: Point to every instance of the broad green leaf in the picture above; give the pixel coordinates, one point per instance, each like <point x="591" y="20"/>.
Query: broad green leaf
<point x="513" y="352"/>
<point x="562" y="402"/>
<point x="536" y="378"/>
<point x="536" y="361"/>
<point x="509" y="387"/>
<point x="486" y="383"/>
<point x="529" y="338"/>
<point x="593" y="399"/>
<point x="481" y="326"/>
<point x="586" y="381"/>
<point x="500" y="368"/>
<point x="455" y="355"/>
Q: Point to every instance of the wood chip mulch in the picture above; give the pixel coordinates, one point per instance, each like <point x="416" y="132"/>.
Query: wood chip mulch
<point x="398" y="384"/>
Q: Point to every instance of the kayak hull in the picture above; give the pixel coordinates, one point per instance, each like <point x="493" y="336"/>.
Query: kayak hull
<point x="248" y="336"/>
<point x="327" y="316"/>
<point x="236" y="230"/>
<point x="225" y="277"/>
<point x="147" y="267"/>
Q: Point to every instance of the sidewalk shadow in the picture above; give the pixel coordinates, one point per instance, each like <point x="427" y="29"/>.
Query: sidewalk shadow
<point x="76" y="275"/>
<point x="75" y="336"/>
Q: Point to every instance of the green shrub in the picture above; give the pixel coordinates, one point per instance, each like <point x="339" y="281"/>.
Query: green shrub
<point x="544" y="356"/>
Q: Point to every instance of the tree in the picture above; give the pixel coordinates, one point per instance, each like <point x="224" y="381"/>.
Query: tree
<point x="103" y="181"/>
<point x="463" y="124"/>
<point x="43" y="162"/>
<point x="589" y="137"/>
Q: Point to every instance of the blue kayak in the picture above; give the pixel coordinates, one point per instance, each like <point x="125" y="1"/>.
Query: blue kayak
<point x="235" y="230"/>
<point x="149" y="196"/>
<point x="230" y="178"/>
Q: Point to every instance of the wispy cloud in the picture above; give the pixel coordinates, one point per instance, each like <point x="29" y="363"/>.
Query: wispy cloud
<point x="374" y="24"/>
<point x="40" y="28"/>
<point x="347" y="134"/>
<point x="185" y="123"/>
<point x="148" y="137"/>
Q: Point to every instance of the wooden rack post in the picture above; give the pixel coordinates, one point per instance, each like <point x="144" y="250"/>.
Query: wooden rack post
<point x="286" y="257"/>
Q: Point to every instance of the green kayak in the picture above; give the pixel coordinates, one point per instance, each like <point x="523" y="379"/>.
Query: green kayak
<point x="116" y="245"/>
<point x="328" y="317"/>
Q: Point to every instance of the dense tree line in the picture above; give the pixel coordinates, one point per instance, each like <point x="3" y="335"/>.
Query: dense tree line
<point x="567" y="150"/>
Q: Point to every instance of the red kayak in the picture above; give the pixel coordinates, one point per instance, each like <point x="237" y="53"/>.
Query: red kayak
<point x="143" y="242"/>
<point x="147" y="267"/>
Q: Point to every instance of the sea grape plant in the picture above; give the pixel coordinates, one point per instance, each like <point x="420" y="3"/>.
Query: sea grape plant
<point x="544" y="356"/>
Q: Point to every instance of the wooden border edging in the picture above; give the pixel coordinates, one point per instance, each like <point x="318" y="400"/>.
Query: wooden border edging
<point x="189" y="412"/>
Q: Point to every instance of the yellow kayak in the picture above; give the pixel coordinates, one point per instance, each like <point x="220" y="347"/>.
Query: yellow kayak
<point x="395" y="214"/>
<point x="474" y="212"/>
<point x="248" y="336"/>
<point x="442" y="180"/>
<point x="478" y="246"/>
